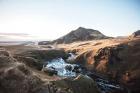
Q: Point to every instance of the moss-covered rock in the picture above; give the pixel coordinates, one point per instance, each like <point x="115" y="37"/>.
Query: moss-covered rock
<point x="44" y="54"/>
<point x="80" y="84"/>
<point x="15" y="77"/>
<point x="30" y="61"/>
<point x="36" y="58"/>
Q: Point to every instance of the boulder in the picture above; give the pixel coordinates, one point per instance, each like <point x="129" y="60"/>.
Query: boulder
<point x="80" y="84"/>
<point x="3" y="52"/>
<point x="49" y="70"/>
<point x="68" y="67"/>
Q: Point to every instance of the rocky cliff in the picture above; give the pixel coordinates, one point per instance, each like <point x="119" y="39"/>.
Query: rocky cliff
<point x="115" y="59"/>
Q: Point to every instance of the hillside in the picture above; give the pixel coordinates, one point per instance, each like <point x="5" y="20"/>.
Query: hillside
<point x="100" y="66"/>
<point x="136" y="34"/>
<point x="116" y="59"/>
<point x="80" y="34"/>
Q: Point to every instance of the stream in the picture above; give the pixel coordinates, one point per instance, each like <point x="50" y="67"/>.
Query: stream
<point x="63" y="69"/>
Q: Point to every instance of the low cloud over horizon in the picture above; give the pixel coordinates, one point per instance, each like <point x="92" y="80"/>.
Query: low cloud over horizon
<point x="49" y="20"/>
<point x="15" y="37"/>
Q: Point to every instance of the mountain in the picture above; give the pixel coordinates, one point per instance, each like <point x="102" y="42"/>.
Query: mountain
<point x="136" y="34"/>
<point x="80" y="34"/>
<point x="118" y="59"/>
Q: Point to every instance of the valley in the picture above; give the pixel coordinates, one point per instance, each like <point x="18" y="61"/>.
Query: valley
<point x="108" y="65"/>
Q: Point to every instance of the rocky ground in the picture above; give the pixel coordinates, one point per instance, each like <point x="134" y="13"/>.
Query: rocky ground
<point x="21" y="72"/>
<point x="116" y="60"/>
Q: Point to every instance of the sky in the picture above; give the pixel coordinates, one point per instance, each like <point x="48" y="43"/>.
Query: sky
<point x="51" y="19"/>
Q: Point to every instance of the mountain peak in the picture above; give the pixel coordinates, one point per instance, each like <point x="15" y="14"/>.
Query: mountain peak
<point x="136" y="33"/>
<point x="81" y="28"/>
<point x="84" y="29"/>
<point x="81" y="34"/>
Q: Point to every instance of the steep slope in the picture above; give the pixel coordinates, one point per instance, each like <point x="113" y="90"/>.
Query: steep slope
<point x="116" y="59"/>
<point x="136" y="34"/>
<point x="121" y="62"/>
<point x="18" y="75"/>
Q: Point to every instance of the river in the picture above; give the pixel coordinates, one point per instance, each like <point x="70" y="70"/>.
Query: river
<point x="64" y="69"/>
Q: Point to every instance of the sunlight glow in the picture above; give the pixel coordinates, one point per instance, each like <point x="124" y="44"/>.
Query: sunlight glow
<point x="48" y="20"/>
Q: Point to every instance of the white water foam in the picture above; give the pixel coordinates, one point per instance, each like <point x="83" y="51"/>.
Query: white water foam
<point x="59" y="64"/>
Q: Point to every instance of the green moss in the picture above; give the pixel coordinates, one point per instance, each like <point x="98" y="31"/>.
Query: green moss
<point x="80" y="84"/>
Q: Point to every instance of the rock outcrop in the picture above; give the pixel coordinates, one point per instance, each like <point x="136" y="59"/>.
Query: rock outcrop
<point x="15" y="77"/>
<point x="118" y="62"/>
<point x="108" y="57"/>
<point x="36" y="58"/>
<point x="80" y="84"/>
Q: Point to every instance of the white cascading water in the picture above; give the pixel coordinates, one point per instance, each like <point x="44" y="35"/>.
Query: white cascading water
<point x="59" y="64"/>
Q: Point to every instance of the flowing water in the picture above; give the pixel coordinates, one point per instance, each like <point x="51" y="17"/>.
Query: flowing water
<point x="61" y="66"/>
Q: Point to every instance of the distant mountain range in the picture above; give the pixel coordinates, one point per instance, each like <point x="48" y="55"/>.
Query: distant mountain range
<point x="80" y="34"/>
<point x="14" y="36"/>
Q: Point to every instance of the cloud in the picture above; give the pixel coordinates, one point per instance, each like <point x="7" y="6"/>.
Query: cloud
<point x="15" y="37"/>
<point x="13" y="34"/>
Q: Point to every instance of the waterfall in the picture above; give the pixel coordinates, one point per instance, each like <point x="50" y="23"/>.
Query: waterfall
<point x="60" y="66"/>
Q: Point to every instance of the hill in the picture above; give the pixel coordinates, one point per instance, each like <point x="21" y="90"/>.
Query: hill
<point x="135" y="34"/>
<point x="80" y="34"/>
